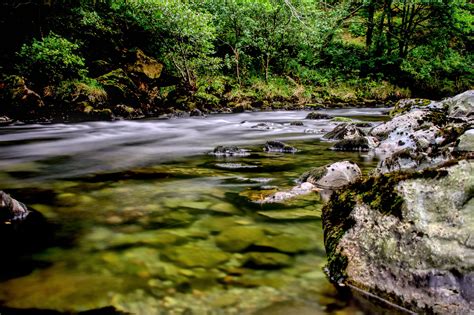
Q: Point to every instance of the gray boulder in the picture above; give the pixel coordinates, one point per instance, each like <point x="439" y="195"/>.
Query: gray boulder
<point x="461" y="105"/>
<point x="407" y="238"/>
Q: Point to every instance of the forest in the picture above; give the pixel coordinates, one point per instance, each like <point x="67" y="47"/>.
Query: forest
<point x="66" y="60"/>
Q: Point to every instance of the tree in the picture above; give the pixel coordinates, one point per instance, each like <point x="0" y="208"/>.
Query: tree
<point x="181" y="35"/>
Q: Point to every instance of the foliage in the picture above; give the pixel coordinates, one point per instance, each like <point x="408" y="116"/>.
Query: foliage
<point x="51" y="60"/>
<point x="183" y="37"/>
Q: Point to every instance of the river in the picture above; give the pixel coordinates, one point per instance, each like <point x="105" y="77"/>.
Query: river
<point x="143" y="219"/>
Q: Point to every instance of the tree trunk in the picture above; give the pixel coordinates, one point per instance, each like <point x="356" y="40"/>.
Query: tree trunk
<point x="370" y="25"/>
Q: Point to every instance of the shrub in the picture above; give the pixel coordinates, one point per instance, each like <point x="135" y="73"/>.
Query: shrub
<point x="50" y="60"/>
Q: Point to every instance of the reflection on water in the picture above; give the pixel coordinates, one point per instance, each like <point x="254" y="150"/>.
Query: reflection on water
<point x="156" y="226"/>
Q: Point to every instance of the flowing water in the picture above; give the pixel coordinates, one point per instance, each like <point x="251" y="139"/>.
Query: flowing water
<point x="140" y="217"/>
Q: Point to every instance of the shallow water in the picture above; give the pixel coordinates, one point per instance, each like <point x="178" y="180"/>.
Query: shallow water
<point x="145" y="220"/>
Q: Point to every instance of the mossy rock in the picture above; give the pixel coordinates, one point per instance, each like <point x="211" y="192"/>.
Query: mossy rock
<point x="405" y="105"/>
<point x="396" y="234"/>
<point x="118" y="86"/>
<point x="145" y="66"/>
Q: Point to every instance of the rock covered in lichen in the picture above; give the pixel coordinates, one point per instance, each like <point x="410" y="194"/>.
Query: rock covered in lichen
<point x="407" y="238"/>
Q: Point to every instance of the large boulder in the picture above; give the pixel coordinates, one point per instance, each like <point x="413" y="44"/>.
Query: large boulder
<point x="407" y="238"/>
<point x="143" y="65"/>
<point x="461" y="105"/>
<point x="119" y="87"/>
<point x="20" y="101"/>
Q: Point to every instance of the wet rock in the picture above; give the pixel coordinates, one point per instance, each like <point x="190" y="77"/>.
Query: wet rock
<point x="356" y="144"/>
<point x="316" y="115"/>
<point x="195" y="255"/>
<point x="267" y="260"/>
<point x="11" y="209"/>
<point x="345" y="131"/>
<point x="466" y="142"/>
<point x="332" y="176"/>
<point x="5" y="121"/>
<point x="296" y="123"/>
<point x="128" y="112"/>
<point x="239" y="238"/>
<point x="282" y="196"/>
<point x="263" y="126"/>
<point x="278" y="146"/>
<point x="461" y="105"/>
<point x="196" y="113"/>
<point x="407" y="238"/>
<point x="229" y="151"/>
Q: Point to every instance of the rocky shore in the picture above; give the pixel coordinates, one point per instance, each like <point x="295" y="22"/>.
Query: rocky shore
<point x="404" y="234"/>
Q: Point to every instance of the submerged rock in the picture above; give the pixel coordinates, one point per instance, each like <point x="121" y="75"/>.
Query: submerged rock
<point x="229" y="151"/>
<point x="345" y="131"/>
<point x="194" y="255"/>
<point x="406" y="238"/>
<point x="239" y="238"/>
<point x="267" y="260"/>
<point x="316" y="115"/>
<point x="278" y="146"/>
<point x="332" y="176"/>
<point x="296" y="123"/>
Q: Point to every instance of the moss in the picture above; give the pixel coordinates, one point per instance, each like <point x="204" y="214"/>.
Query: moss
<point x="406" y="105"/>
<point x="336" y="221"/>
<point x="313" y="174"/>
<point x="342" y="119"/>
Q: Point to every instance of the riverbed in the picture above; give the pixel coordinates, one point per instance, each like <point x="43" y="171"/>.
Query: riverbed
<point x="145" y="220"/>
